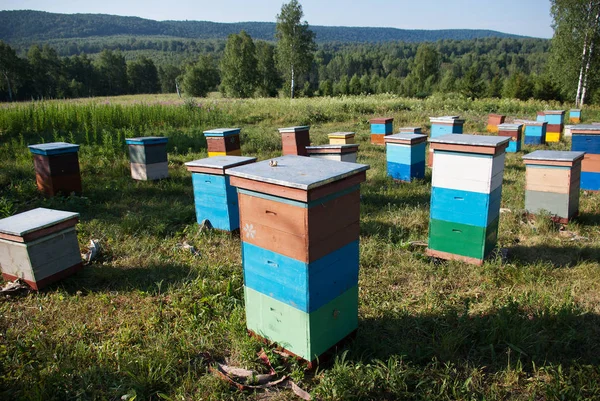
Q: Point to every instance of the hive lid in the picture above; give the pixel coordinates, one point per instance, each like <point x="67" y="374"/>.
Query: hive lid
<point x="381" y="120"/>
<point x="446" y="119"/>
<point x="509" y="127"/>
<point x="406" y="137"/>
<point x="219" y="163"/>
<point x="297" y="171"/>
<point x="294" y="129"/>
<point x="575" y="110"/>
<point x="222" y="132"/>
<point x="146" y="140"/>
<point x="335" y="146"/>
<point x="471" y="140"/>
<point x="586" y="127"/>
<point x="405" y="130"/>
<point x="554" y="155"/>
<point x="53" y="148"/>
<point x="531" y="122"/>
<point x="33" y="220"/>
<point x="341" y="135"/>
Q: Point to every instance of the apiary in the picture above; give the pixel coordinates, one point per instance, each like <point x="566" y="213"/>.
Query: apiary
<point x="405" y="154"/>
<point x="148" y="158"/>
<point x="514" y="132"/>
<point x="56" y="168"/>
<point x="294" y="140"/>
<point x="381" y="127"/>
<point x="586" y="138"/>
<point x="341" y="138"/>
<point x="223" y="142"/>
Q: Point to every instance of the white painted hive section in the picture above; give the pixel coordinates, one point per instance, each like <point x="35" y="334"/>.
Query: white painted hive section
<point x="344" y="157"/>
<point x="468" y="172"/>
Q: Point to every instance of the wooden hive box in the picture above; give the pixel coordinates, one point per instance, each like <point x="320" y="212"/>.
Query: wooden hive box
<point x="443" y="126"/>
<point x="341" y="138"/>
<point x="586" y="138"/>
<point x="540" y="116"/>
<point x="405" y="154"/>
<point x="223" y="142"/>
<point x="575" y="116"/>
<point x="39" y="246"/>
<point x="514" y="132"/>
<point x="380" y="127"/>
<point x="533" y="131"/>
<point x="214" y="198"/>
<point x="340" y="153"/>
<point x="494" y="120"/>
<point x="294" y="140"/>
<point x="556" y="123"/>
<point x="56" y="168"/>
<point x="299" y="225"/>
<point x="567" y="130"/>
<point x="148" y="157"/>
<point x="409" y="130"/>
<point x="552" y="183"/>
<point x="465" y="196"/>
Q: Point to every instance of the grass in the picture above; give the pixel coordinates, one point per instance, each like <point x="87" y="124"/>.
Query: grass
<point x="141" y="319"/>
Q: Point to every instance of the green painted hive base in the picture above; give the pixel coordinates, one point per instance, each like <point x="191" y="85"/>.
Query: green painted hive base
<point x="461" y="239"/>
<point x="307" y="335"/>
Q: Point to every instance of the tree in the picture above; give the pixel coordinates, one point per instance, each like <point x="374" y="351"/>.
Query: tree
<point x="142" y="76"/>
<point x="239" y="66"/>
<point x="471" y="85"/>
<point x="112" y="71"/>
<point x="354" y="87"/>
<point x="201" y="77"/>
<point x="9" y="68"/>
<point x="426" y="69"/>
<point x="518" y="86"/>
<point x="167" y="76"/>
<point x="268" y="78"/>
<point x="295" y="44"/>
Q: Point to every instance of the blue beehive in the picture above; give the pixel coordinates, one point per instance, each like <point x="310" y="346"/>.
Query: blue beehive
<point x="216" y="200"/>
<point x="586" y="138"/>
<point x="406" y="156"/>
<point x="446" y="125"/>
<point x="513" y="131"/>
<point x="380" y="127"/>
<point x="575" y="116"/>
<point x="534" y="131"/>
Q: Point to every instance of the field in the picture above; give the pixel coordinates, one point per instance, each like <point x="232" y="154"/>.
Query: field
<point x="141" y="319"/>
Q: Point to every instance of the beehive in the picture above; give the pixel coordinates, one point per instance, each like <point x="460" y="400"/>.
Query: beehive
<point x="148" y="157"/>
<point x="465" y="196"/>
<point x="514" y="132"/>
<point x="586" y="138"/>
<point x="223" y="142"/>
<point x="494" y="120"/>
<point x="294" y="140"/>
<point x="540" y="117"/>
<point x="575" y="116"/>
<point x="405" y="155"/>
<point x="56" y="168"/>
<point x="552" y="183"/>
<point x="381" y="127"/>
<point x="341" y="138"/>
<point x="214" y="198"/>
<point x="39" y="246"/>
<point x="299" y="225"/>
<point x="409" y="130"/>
<point x="567" y="130"/>
<point x="340" y="153"/>
<point x="443" y="126"/>
<point x="556" y="124"/>
<point x="534" y="131"/>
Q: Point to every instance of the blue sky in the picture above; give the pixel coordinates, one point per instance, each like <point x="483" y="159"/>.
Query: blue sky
<point x="524" y="17"/>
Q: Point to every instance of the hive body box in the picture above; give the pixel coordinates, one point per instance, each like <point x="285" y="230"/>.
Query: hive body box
<point x="148" y="158"/>
<point x="405" y="155"/>
<point x="39" y="246"/>
<point x="409" y="130"/>
<point x="381" y="127"/>
<point x="533" y="131"/>
<point x="299" y="225"/>
<point x="586" y="138"/>
<point x="567" y="130"/>
<point x="56" y="168"/>
<point x="443" y="126"/>
<point x="341" y="138"/>
<point x="540" y="117"/>
<point x="214" y="198"/>
<point x="494" y="120"/>
<point x="223" y="142"/>
<point x="552" y="183"/>
<point x="514" y="132"/>
<point x="465" y="196"/>
<point x="575" y="116"/>
<point x="340" y="153"/>
<point x="556" y="124"/>
<point x="294" y="140"/>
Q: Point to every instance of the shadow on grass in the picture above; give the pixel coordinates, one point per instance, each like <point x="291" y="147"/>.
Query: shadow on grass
<point x="588" y="219"/>
<point x="558" y="256"/>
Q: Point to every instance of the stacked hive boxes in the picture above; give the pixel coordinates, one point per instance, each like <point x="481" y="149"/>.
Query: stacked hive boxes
<point x="39" y="246"/>
<point x="575" y="116"/>
<point x="443" y="126"/>
<point x="534" y="131"/>
<point x="341" y="138"/>
<point x="380" y="127"/>
<point x="56" y="168"/>
<point x="465" y="196"/>
<point x="148" y="158"/>
<point x="340" y="153"/>
<point x="294" y="140"/>
<point x="223" y="142"/>
<point x="552" y="183"/>
<point x="514" y="132"/>
<point x="406" y="156"/>
<point x="586" y="138"/>
<point x="215" y="199"/>
<point x="494" y="120"/>
<point x="556" y="124"/>
<point x="299" y="225"/>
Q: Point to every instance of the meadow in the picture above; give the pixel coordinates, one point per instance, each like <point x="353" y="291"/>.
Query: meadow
<point x="141" y="320"/>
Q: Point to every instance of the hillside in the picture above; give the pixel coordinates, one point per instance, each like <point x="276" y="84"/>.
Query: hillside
<point x="37" y="26"/>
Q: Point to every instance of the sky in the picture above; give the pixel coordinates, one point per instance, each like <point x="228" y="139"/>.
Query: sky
<point x="522" y="17"/>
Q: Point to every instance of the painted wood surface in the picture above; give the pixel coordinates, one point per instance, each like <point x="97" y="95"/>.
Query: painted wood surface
<point x="586" y="143"/>
<point x="591" y="163"/>
<point x="61" y="184"/>
<point x="231" y="153"/>
<point x="295" y="143"/>
<point x="406" y="172"/>
<point x="341" y="138"/>
<point x="53" y="148"/>
<point x="148" y="154"/>
<point x="461" y="239"/>
<point x="307" y="335"/>
<point x="513" y="147"/>
<point x="590" y="181"/>
<point x="216" y="200"/>
<point x="147" y="140"/>
<point x="410" y="130"/>
<point x="553" y="137"/>
<point x="464" y="207"/>
<point x="405" y="154"/>
<point x="438" y="130"/>
<point x="406" y="138"/>
<point x="554" y="116"/>
<point x="217" y="165"/>
<point x="225" y="144"/>
<point x="550" y="179"/>
<point x="144" y="172"/>
<point x="23" y="226"/>
<point x="57" y="173"/>
<point x="468" y="172"/>
<point x="340" y="157"/>
<point x="378" y="139"/>
<point x="386" y="129"/>
<point x="564" y="205"/>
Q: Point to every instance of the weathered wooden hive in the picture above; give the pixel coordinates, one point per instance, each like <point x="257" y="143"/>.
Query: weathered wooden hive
<point x="465" y="196"/>
<point x="56" y="168"/>
<point x="514" y="132"/>
<point x="405" y="155"/>
<point x="340" y="153"/>
<point x="294" y="140"/>
<point x="533" y="131"/>
<point x="214" y="198"/>
<point x="575" y="116"/>
<point x="223" y="142"/>
<point x="341" y="138"/>
<point x="586" y="138"/>
<point x="381" y="127"/>
<point x="552" y="183"/>
<point x="299" y="226"/>
<point x="39" y="246"/>
<point x="148" y="157"/>
<point x="556" y="124"/>
<point x="494" y="120"/>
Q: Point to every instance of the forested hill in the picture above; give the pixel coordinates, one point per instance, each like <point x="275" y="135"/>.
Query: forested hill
<point x="37" y="26"/>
